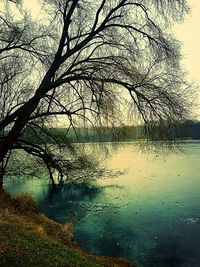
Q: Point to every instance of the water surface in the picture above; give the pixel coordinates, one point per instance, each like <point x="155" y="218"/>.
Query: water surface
<point x="150" y="214"/>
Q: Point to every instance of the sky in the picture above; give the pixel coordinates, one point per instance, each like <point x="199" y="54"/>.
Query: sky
<point x="188" y="32"/>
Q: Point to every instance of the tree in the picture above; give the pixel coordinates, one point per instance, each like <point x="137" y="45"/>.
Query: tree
<point x="87" y="61"/>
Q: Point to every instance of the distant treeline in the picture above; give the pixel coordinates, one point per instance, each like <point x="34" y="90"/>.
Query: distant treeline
<point x="183" y="130"/>
<point x="187" y="130"/>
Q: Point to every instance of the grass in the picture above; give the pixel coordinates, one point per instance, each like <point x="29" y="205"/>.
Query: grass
<point x="29" y="239"/>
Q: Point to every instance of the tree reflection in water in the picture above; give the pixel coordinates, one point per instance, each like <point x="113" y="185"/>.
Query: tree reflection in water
<point x="66" y="202"/>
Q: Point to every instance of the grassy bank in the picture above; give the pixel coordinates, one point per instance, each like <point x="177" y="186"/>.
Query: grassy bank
<point x="28" y="238"/>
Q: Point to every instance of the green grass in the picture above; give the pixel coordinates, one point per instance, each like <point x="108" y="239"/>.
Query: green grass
<point x="29" y="239"/>
<point x="22" y="247"/>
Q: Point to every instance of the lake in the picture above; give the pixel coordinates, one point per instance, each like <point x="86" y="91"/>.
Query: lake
<point x="150" y="214"/>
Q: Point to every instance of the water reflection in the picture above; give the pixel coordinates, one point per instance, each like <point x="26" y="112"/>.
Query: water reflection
<point x="67" y="202"/>
<point x="101" y="237"/>
<point x="150" y="215"/>
<point x="169" y="254"/>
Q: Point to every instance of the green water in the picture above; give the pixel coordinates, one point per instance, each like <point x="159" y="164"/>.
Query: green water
<point x="150" y="214"/>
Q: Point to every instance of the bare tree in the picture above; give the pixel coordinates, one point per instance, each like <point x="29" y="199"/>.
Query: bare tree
<point x="88" y="61"/>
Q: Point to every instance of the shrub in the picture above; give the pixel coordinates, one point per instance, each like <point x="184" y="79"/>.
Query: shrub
<point x="25" y="203"/>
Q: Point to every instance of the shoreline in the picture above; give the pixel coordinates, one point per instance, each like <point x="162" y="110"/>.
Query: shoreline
<point x="28" y="238"/>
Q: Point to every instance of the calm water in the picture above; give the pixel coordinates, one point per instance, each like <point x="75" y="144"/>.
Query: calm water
<point x="150" y="215"/>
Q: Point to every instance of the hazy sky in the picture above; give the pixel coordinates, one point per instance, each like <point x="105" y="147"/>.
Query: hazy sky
<point x="187" y="32"/>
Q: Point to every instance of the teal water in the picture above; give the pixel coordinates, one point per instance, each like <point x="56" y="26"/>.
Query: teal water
<point x="150" y="214"/>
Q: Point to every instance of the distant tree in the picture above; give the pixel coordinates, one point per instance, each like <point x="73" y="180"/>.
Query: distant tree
<point x="91" y="63"/>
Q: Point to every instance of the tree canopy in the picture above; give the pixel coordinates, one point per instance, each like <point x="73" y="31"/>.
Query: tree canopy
<point x="86" y="62"/>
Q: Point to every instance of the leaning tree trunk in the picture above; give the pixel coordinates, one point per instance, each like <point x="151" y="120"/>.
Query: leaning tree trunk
<point x="15" y="132"/>
<point x="23" y="114"/>
<point x="19" y="125"/>
<point x="1" y="179"/>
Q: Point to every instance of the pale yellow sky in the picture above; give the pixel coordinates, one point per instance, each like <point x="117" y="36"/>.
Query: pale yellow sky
<point x="187" y="32"/>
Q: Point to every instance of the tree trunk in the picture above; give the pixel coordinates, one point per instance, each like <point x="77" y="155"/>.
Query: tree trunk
<point x="1" y="179"/>
<point x="24" y="113"/>
<point x="16" y="130"/>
